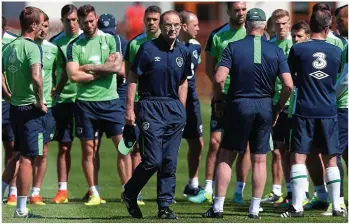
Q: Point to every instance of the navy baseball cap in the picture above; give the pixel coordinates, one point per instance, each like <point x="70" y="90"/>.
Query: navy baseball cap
<point x="129" y="138"/>
<point x="106" y="23"/>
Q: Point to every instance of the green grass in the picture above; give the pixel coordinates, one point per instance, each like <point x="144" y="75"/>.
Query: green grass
<point x="115" y="211"/>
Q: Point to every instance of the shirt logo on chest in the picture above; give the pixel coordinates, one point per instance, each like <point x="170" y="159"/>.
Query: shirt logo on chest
<point x="179" y="61"/>
<point x="48" y="55"/>
<point x="157" y="59"/>
<point x="195" y="54"/>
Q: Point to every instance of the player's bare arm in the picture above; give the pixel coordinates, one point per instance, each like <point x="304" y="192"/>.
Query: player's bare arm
<point x="132" y="79"/>
<point x="37" y="85"/>
<point x="112" y="65"/>
<point x="218" y="82"/>
<point x="183" y="91"/>
<point x="122" y="71"/>
<point x="62" y="82"/>
<point x="210" y="66"/>
<point x="78" y="76"/>
<point x="286" y="91"/>
<point x="218" y="85"/>
<point x="6" y="95"/>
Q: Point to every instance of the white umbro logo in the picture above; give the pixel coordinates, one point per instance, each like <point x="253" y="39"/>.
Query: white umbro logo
<point x="157" y="58"/>
<point x="318" y="75"/>
<point x="12" y="69"/>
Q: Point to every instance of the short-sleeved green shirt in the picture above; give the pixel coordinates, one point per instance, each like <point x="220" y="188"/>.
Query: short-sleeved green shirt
<point x="68" y="93"/>
<point x="285" y="45"/>
<point x="220" y="40"/>
<point x="132" y="49"/>
<point x="94" y="50"/>
<point x="332" y="39"/>
<point x="342" y="81"/>
<point x="17" y="59"/>
<point x="49" y="58"/>
<point x="7" y="38"/>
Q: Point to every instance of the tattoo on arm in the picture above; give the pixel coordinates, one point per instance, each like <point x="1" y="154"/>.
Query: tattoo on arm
<point x="37" y="82"/>
<point x="112" y="65"/>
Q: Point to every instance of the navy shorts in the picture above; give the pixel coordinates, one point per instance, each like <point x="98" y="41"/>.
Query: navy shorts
<point x="49" y="126"/>
<point x="343" y="129"/>
<point x="97" y="117"/>
<point x="318" y="133"/>
<point x="123" y="108"/>
<point x="28" y="125"/>
<point x="248" y="120"/>
<point x="281" y="131"/>
<point x="216" y="124"/>
<point x="7" y="132"/>
<point x="63" y="114"/>
<point x="193" y="127"/>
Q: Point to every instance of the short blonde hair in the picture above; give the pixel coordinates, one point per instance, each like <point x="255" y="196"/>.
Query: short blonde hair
<point x="279" y="13"/>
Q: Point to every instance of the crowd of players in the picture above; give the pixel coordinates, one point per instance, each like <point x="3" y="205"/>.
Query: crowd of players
<point x="75" y="85"/>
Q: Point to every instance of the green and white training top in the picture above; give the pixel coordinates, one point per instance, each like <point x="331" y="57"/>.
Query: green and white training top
<point x="285" y="45"/>
<point x="95" y="50"/>
<point x="342" y="81"/>
<point x="49" y="60"/>
<point x="17" y="59"/>
<point x="218" y="40"/>
<point x="62" y="41"/>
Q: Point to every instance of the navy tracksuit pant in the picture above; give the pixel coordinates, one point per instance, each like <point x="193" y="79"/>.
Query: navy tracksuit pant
<point x="161" y="121"/>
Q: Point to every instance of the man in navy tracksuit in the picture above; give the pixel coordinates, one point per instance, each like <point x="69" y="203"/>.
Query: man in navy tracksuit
<point x="161" y="68"/>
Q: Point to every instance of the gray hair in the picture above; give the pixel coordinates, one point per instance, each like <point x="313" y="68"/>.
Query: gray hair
<point x="256" y="25"/>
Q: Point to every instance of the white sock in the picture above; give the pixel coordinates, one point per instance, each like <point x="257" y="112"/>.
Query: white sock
<point x="209" y="186"/>
<point x="306" y="189"/>
<point x="21" y="204"/>
<point x="333" y="181"/>
<point x="218" y="204"/>
<point x="13" y="191"/>
<point x="289" y="187"/>
<point x="307" y="186"/>
<point x="94" y="190"/>
<point x="321" y="192"/>
<point x="4" y="186"/>
<point x="341" y="200"/>
<point x="239" y="188"/>
<point x="298" y="181"/>
<point x="277" y="189"/>
<point x="35" y="191"/>
<point x="62" y="186"/>
<point x="193" y="182"/>
<point x="254" y="206"/>
<point x="123" y="187"/>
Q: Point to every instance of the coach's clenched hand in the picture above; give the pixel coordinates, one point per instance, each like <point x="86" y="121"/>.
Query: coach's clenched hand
<point x="130" y="117"/>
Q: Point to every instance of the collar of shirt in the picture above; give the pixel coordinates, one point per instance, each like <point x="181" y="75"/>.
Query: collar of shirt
<point x="252" y="36"/>
<point x="164" y="44"/>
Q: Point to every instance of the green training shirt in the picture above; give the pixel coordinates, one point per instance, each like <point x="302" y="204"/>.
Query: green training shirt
<point x="17" y="59"/>
<point x="285" y="45"/>
<point x="94" y="50"/>
<point x="68" y="93"/>
<point x="220" y="40"/>
<point x="49" y="58"/>
<point x="342" y="81"/>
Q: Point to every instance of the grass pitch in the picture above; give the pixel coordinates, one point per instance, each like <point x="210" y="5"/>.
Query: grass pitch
<point x="115" y="211"/>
